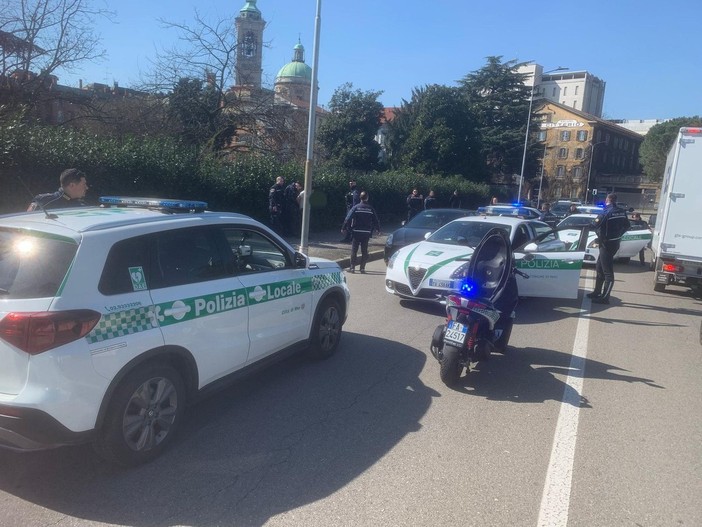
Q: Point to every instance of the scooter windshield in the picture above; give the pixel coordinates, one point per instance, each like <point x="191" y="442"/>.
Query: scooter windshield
<point x="491" y="265"/>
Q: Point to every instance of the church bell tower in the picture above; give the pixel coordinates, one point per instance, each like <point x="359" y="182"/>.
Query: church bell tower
<point x="249" y="56"/>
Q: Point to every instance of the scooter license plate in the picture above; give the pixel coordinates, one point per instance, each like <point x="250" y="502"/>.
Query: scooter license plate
<point x="455" y="332"/>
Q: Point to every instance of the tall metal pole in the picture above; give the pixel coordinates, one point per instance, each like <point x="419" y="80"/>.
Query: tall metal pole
<point x="526" y="142"/>
<point x="526" y="135"/>
<point x="311" y="129"/>
<point x="541" y="181"/>
<point x="589" y="170"/>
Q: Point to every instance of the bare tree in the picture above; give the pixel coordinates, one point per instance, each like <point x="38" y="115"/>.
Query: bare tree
<point x="40" y="37"/>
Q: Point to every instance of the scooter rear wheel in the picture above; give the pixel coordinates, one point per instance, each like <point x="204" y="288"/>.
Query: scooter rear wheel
<point x="450" y="367"/>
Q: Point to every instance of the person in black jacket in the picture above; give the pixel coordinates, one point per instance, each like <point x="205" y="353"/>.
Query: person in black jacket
<point x="455" y="200"/>
<point x="276" y="205"/>
<point x="361" y="221"/>
<point x="352" y="199"/>
<point x="415" y="204"/>
<point x="74" y="186"/>
<point x="430" y="202"/>
<point x="610" y="226"/>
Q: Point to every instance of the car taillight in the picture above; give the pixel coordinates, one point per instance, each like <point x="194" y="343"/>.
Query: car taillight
<point x="673" y="268"/>
<point x="36" y="333"/>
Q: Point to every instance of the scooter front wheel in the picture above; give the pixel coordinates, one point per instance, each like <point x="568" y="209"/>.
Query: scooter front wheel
<point x="450" y="367"/>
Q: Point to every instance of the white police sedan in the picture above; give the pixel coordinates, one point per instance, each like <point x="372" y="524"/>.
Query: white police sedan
<point x="632" y="242"/>
<point x="430" y="269"/>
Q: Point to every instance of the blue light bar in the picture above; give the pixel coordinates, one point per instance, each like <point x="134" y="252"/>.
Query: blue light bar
<point x="173" y="204"/>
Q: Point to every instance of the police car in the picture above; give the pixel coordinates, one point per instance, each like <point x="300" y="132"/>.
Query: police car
<point x="430" y="269"/>
<point x="631" y="243"/>
<point x="113" y="318"/>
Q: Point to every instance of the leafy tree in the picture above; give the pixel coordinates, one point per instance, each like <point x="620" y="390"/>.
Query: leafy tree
<point x="499" y="100"/>
<point x="196" y="110"/>
<point x="435" y="133"/>
<point x="348" y="132"/>
<point x="657" y="143"/>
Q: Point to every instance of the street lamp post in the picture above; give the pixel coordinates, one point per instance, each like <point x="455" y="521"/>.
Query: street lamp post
<point x="589" y="170"/>
<point x="541" y="180"/>
<point x="526" y="135"/>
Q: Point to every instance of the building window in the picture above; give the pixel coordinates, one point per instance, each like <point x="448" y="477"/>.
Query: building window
<point x="576" y="90"/>
<point x="565" y="91"/>
<point x="578" y="153"/>
<point x="554" y="92"/>
<point x="565" y="135"/>
<point x="562" y="153"/>
<point x="541" y="136"/>
<point x="578" y="172"/>
<point x="560" y="171"/>
<point x="582" y="135"/>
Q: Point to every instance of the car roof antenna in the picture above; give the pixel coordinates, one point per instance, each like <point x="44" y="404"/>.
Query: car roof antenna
<point x="31" y="194"/>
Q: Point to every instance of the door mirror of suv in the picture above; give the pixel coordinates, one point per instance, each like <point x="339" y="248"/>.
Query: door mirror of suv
<point x="300" y="260"/>
<point x="243" y="250"/>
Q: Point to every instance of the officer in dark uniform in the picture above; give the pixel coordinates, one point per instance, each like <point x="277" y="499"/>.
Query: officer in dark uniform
<point x="415" y="204"/>
<point x="276" y="204"/>
<point x="353" y="198"/>
<point x="73" y="189"/>
<point x="610" y="226"/>
<point x="361" y="221"/>
<point x="431" y="202"/>
<point x="291" y="208"/>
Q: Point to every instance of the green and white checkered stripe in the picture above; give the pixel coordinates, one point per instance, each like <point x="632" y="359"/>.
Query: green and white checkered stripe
<point x="113" y="325"/>
<point x="324" y="281"/>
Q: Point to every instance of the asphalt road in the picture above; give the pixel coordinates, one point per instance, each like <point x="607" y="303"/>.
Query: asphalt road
<point x="591" y="419"/>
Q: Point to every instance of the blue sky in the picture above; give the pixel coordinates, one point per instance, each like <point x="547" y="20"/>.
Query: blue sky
<point x="647" y="51"/>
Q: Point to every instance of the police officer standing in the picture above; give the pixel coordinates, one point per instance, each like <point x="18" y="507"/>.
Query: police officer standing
<point x="610" y="226"/>
<point x="430" y="202"/>
<point x="361" y="221"/>
<point x="415" y="204"/>
<point x="353" y="198"/>
<point x="276" y="204"/>
<point x="73" y="189"/>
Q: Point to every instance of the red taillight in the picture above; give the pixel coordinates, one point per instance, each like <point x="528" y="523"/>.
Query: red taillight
<point x="38" y="332"/>
<point x="673" y="268"/>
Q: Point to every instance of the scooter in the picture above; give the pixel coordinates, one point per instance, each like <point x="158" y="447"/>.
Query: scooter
<point x="480" y="314"/>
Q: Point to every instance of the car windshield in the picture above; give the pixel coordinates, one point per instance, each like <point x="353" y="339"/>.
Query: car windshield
<point x="434" y="219"/>
<point x="576" y="221"/>
<point x="467" y="233"/>
<point x="33" y="265"/>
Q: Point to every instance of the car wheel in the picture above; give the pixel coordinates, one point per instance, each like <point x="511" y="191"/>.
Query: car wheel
<point x="326" y="331"/>
<point x="450" y="367"/>
<point x="143" y="416"/>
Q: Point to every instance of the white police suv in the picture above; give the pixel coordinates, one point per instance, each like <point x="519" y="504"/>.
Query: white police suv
<point x="113" y="318"/>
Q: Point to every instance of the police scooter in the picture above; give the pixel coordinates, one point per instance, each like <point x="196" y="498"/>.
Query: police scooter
<point x="480" y="314"/>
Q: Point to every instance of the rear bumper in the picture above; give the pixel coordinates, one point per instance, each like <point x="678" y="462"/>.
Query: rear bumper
<point x="32" y="429"/>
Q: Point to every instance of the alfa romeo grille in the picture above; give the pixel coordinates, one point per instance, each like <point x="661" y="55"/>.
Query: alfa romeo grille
<point x="415" y="276"/>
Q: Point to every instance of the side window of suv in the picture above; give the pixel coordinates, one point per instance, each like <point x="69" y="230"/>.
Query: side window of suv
<point x="186" y="256"/>
<point x="252" y="252"/>
<point x="127" y="267"/>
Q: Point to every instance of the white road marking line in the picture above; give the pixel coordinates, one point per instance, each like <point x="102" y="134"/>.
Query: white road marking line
<point x="555" y="500"/>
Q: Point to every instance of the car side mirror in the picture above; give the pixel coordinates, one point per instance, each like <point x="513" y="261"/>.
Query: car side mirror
<point x="243" y="251"/>
<point x="426" y="235"/>
<point x="301" y="260"/>
<point x="404" y="222"/>
<point x="531" y="247"/>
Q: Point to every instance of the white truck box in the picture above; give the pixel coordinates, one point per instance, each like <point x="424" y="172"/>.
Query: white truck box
<point x="677" y="236"/>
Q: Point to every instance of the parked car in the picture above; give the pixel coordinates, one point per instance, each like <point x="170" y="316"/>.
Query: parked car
<point x="418" y="227"/>
<point x="113" y="318"/>
<point x="431" y="269"/>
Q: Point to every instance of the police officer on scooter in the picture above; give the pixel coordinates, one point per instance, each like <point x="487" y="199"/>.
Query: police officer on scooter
<point x="610" y="226"/>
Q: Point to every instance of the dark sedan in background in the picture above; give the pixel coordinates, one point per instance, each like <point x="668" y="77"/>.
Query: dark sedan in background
<point x="425" y="222"/>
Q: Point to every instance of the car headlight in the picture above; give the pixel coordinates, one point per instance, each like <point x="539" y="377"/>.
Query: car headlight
<point x="594" y="244"/>
<point x="388" y="241"/>
<point x="392" y="259"/>
<point x="461" y="271"/>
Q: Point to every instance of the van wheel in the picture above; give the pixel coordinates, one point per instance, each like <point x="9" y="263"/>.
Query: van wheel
<point x="143" y="416"/>
<point x="326" y="331"/>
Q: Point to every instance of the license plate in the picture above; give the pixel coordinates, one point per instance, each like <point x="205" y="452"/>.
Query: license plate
<point x="443" y="284"/>
<point x="456" y="332"/>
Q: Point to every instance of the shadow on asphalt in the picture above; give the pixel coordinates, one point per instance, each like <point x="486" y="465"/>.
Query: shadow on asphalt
<point x="529" y="375"/>
<point x="283" y="438"/>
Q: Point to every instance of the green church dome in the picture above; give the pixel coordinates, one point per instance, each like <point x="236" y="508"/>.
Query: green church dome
<point x="250" y="7"/>
<point x="299" y="70"/>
